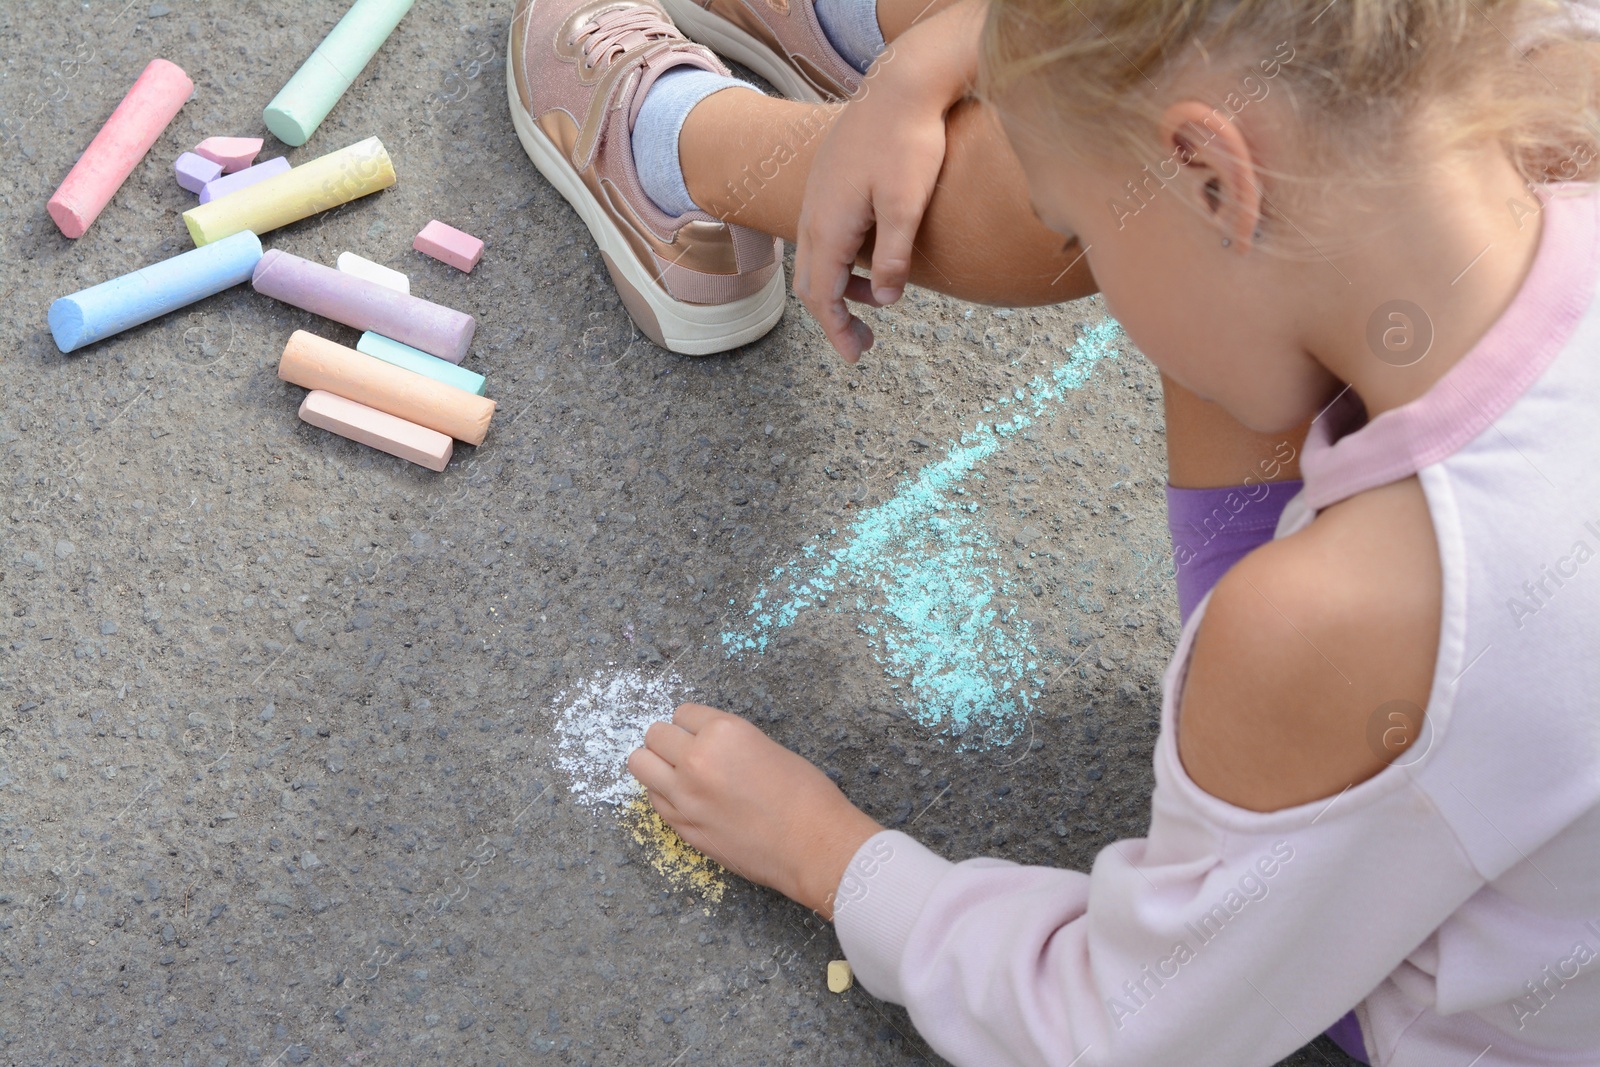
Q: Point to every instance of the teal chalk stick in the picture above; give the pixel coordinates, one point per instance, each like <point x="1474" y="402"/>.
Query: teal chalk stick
<point x="415" y="359"/>
<point x="123" y="303"/>
<point x="305" y="101"/>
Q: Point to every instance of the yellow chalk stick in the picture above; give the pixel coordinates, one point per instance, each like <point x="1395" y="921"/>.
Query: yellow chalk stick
<point x="325" y="182"/>
<point x="840" y="976"/>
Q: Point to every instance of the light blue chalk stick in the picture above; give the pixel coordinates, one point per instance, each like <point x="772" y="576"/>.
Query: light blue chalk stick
<point x="415" y="359"/>
<point x="123" y="303"/>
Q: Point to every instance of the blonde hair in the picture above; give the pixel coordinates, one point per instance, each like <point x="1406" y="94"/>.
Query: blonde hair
<point x="1361" y="76"/>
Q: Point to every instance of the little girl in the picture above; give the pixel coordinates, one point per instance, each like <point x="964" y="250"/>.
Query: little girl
<point x="1378" y="773"/>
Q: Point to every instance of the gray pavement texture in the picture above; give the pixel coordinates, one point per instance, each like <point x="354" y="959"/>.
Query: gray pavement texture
<point x="279" y="774"/>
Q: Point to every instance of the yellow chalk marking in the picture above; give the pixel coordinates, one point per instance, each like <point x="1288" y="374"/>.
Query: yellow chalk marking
<point x="685" y="866"/>
<point x="840" y="976"/>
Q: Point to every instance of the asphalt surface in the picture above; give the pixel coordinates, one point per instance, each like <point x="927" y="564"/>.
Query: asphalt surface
<point x="283" y="720"/>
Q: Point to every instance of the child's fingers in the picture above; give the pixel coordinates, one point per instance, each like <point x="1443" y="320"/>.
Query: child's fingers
<point x="898" y="220"/>
<point x="653" y="772"/>
<point x="668" y="741"/>
<point x="824" y="298"/>
<point x="693" y="716"/>
<point x="668" y="811"/>
<point x="824" y="258"/>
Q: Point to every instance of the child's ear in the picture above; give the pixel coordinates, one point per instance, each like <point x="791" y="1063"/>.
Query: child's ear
<point x="1218" y="168"/>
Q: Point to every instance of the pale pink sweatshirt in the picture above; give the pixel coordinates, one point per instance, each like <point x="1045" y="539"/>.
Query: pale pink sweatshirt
<point x="1454" y="897"/>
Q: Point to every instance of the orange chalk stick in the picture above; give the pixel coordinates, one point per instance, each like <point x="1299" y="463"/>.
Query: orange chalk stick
<point x="313" y="362"/>
<point x="119" y="146"/>
<point x="377" y="429"/>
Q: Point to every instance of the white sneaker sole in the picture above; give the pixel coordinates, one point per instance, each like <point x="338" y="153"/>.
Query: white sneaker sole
<point x="688" y="329"/>
<point x="728" y="40"/>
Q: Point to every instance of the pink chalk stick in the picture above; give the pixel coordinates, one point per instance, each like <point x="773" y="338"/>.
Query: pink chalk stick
<point x="195" y="171"/>
<point x="377" y="429"/>
<point x="122" y="142"/>
<point x="230" y="153"/>
<point x="449" y="245"/>
<point x="232" y="183"/>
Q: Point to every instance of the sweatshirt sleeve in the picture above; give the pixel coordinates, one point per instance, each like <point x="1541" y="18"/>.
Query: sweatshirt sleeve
<point x="1225" y="936"/>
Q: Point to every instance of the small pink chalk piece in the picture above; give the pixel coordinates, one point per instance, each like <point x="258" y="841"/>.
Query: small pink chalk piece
<point x="195" y="171"/>
<point x="449" y="245"/>
<point x="377" y="429"/>
<point x="230" y="153"/>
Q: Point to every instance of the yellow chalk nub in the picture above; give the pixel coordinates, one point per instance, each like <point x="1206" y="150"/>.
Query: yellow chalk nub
<point x="840" y="976"/>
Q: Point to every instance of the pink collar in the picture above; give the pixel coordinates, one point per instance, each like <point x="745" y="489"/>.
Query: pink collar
<point x="1502" y="366"/>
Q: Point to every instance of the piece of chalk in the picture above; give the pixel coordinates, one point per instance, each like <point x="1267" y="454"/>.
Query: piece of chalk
<point x="327" y="181"/>
<point x="244" y="179"/>
<point x="125" y="302"/>
<point x="119" y="146"/>
<point x="305" y="101"/>
<point x="195" y="171"/>
<point x="313" y="362"/>
<point x="377" y="429"/>
<point x="230" y="153"/>
<point x="449" y="245"/>
<point x="840" y="976"/>
<point x="437" y="330"/>
<point x="351" y="263"/>
<point x="414" y="359"/>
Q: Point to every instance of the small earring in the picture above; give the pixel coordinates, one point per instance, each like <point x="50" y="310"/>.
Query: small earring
<point x="1227" y="242"/>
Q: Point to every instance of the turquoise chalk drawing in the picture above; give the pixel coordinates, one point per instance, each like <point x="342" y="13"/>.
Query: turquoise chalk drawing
<point x="923" y="572"/>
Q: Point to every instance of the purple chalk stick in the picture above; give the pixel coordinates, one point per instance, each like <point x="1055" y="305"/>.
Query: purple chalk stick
<point x="195" y="171"/>
<point x="365" y="305"/>
<point x="239" y="179"/>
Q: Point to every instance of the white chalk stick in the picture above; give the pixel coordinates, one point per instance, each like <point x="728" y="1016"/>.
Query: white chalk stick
<point x="353" y="264"/>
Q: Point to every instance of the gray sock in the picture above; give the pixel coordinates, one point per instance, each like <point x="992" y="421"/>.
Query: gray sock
<point x="655" y="132"/>
<point x="851" y="26"/>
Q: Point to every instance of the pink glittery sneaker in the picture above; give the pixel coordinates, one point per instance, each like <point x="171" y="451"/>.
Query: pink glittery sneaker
<point x="577" y="74"/>
<point x="781" y="40"/>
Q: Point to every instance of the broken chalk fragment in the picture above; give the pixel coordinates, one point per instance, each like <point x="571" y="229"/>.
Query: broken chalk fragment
<point x="119" y="146"/>
<point x="377" y="429"/>
<point x="244" y="179"/>
<point x="351" y="263"/>
<point x="449" y="245"/>
<point x="437" y="330"/>
<point x="840" y="976"/>
<point x="195" y="171"/>
<point x="414" y="359"/>
<point x="325" y="182"/>
<point x="322" y="79"/>
<point x="313" y="362"/>
<point x="230" y="153"/>
<point x="122" y="303"/>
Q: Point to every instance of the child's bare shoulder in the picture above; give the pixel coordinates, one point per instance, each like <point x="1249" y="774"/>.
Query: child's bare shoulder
<point x="1303" y="645"/>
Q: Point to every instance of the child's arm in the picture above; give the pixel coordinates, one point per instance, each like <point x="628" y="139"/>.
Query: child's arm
<point x="1228" y="935"/>
<point x="1278" y="885"/>
<point x="875" y="173"/>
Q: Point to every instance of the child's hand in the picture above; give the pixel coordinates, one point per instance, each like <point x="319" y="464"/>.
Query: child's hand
<point x="760" y="810"/>
<point x="876" y="170"/>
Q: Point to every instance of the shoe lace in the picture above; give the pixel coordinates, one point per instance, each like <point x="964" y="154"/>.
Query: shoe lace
<point x="613" y="32"/>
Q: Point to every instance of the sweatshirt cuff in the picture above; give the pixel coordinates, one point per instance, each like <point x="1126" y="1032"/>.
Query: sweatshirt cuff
<point x="878" y="901"/>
